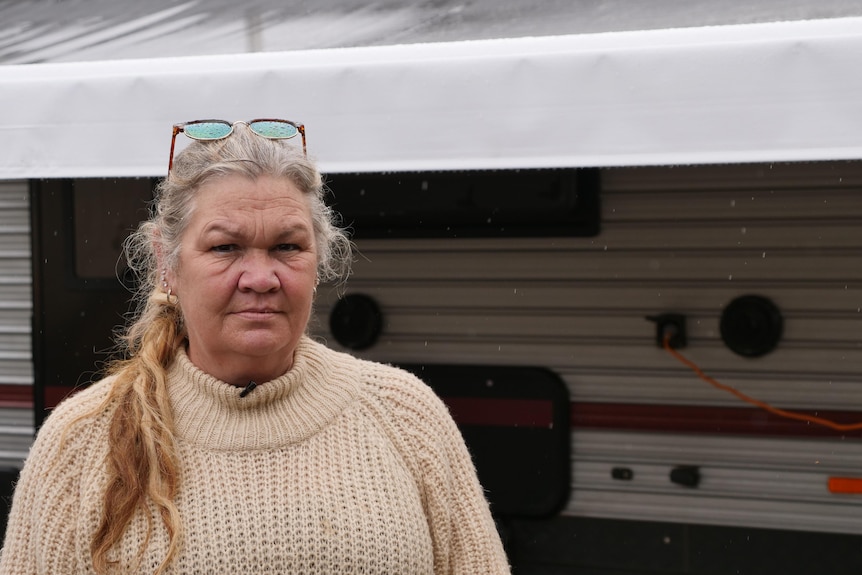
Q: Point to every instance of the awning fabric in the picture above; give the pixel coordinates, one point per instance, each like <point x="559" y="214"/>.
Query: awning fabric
<point x="744" y="93"/>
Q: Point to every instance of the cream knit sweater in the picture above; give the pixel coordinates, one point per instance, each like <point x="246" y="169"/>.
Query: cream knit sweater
<point x="341" y="466"/>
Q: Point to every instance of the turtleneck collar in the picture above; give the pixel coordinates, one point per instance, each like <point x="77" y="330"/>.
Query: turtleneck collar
<point x="210" y="413"/>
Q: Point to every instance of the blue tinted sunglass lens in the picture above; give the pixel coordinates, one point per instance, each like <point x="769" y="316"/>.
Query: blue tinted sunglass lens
<point x="207" y="130"/>
<point x="273" y="129"/>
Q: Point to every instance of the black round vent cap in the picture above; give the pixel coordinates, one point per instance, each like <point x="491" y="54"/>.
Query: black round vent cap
<point x="751" y="325"/>
<point x="356" y="321"/>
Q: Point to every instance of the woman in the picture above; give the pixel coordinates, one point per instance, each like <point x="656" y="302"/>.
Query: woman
<point x="228" y="441"/>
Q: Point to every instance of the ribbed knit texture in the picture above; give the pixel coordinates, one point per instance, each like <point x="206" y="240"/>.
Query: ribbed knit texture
<point x="341" y="466"/>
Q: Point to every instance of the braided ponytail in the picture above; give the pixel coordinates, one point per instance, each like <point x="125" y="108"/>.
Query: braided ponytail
<point x="142" y="461"/>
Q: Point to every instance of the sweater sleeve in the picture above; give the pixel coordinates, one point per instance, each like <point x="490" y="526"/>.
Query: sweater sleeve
<point x="41" y="528"/>
<point x="463" y="532"/>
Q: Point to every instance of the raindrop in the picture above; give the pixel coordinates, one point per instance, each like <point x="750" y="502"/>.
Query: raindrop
<point x="744" y="231"/>
<point x="764" y="254"/>
<point x="730" y="277"/>
<point x="732" y="203"/>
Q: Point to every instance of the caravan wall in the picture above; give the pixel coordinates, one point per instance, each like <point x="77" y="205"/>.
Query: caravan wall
<point x="684" y="240"/>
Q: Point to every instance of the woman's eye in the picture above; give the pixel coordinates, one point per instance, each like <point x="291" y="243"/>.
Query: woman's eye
<point x="286" y="247"/>
<point x="224" y="248"/>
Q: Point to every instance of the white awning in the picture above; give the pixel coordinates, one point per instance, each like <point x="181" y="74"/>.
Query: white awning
<point x="744" y="93"/>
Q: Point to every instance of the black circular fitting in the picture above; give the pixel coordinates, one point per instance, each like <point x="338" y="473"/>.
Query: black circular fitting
<point x="356" y="321"/>
<point x="751" y="326"/>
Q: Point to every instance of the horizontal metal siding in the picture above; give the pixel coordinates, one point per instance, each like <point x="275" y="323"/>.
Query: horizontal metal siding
<point x="675" y="239"/>
<point x="16" y="308"/>
<point x="751" y="481"/>
<point x="16" y="435"/>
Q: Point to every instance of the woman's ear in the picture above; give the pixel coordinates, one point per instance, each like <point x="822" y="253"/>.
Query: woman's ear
<point x="166" y="275"/>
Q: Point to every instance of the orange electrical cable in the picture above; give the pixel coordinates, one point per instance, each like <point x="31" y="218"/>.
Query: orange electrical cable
<point x="761" y="404"/>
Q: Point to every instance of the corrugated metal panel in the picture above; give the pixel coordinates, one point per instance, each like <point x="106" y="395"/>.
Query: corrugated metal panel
<point x="16" y="435"/>
<point x="676" y="239"/>
<point x="16" y="306"/>
<point x="757" y="482"/>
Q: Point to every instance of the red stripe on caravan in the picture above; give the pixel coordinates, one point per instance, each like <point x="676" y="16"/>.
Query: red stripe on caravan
<point x="18" y="396"/>
<point x="498" y="412"/>
<point x="705" y="419"/>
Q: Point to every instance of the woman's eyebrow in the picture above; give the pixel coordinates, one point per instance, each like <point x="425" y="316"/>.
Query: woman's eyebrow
<point x="222" y="226"/>
<point x="229" y="229"/>
<point x="293" y="229"/>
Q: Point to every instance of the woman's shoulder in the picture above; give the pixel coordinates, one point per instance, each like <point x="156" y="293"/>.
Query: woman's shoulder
<point x="391" y="391"/>
<point x="395" y="383"/>
<point x="84" y="399"/>
<point x="85" y="408"/>
<point x="406" y="400"/>
<point x="374" y="377"/>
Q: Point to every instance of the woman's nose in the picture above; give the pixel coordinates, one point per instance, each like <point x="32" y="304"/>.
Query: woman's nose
<point x="258" y="273"/>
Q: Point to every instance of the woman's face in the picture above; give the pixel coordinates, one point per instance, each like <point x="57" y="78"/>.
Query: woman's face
<point x="245" y="277"/>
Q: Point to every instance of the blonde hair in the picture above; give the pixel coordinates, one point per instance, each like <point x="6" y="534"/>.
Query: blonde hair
<point x="142" y="463"/>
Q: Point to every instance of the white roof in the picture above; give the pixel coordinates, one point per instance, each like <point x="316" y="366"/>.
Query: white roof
<point x="785" y="91"/>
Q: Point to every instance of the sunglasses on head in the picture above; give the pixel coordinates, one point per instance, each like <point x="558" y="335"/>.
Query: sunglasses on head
<point x="273" y="129"/>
